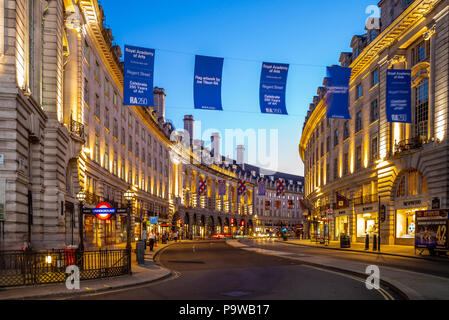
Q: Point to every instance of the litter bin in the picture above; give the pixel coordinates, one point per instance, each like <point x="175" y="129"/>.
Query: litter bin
<point x="164" y="239"/>
<point x="140" y="252"/>
<point x="345" y="241"/>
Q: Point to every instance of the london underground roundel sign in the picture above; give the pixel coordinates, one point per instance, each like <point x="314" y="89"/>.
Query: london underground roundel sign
<point x="103" y="211"/>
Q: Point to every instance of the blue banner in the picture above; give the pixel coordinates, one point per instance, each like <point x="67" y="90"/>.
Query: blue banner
<point x="273" y="84"/>
<point x="337" y="92"/>
<point x="207" y="83"/>
<point x="399" y="96"/>
<point x="138" y="77"/>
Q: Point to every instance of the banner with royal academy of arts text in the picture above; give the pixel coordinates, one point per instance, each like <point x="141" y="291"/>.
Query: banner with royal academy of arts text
<point x="273" y="85"/>
<point x="138" y="76"/>
<point x="207" y="83"/>
<point x="337" y="92"/>
<point x="399" y="96"/>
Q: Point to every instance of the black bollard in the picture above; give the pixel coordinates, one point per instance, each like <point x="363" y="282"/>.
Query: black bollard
<point x="374" y="243"/>
<point x="367" y="242"/>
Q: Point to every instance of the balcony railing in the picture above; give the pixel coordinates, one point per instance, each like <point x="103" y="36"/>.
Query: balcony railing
<point x="410" y="144"/>
<point x="368" y="199"/>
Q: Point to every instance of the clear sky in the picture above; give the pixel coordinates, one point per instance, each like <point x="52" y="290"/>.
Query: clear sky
<point x="309" y="35"/>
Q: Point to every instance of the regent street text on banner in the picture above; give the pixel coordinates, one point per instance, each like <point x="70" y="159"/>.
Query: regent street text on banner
<point x="207" y="83"/>
<point x="273" y="85"/>
<point x="337" y="92"/>
<point x="399" y="96"/>
<point x="138" y="77"/>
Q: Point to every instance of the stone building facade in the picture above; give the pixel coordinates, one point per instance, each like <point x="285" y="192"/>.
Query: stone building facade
<point x="367" y="165"/>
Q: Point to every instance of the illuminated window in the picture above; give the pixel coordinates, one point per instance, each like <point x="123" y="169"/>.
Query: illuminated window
<point x="97" y="149"/>
<point x="400" y="192"/>
<point x="413" y="183"/>
<point x="106" y="157"/>
<point x="346" y="130"/>
<point x="358" y="158"/>
<point x="422" y="109"/>
<point x="115" y="164"/>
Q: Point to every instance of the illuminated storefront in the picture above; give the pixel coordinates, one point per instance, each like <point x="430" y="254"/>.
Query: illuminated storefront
<point x="367" y="224"/>
<point x="341" y="226"/>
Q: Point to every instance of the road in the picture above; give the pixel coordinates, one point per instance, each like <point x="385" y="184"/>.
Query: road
<point x="216" y="271"/>
<point x="437" y="268"/>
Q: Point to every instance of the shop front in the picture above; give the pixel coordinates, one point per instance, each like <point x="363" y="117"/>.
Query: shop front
<point x="405" y="223"/>
<point x="367" y="223"/>
<point x="342" y="219"/>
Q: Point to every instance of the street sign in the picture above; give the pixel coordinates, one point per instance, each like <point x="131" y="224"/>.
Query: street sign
<point x="153" y="220"/>
<point x="103" y="211"/>
<point x="87" y="211"/>
<point x="122" y="210"/>
<point x="330" y="211"/>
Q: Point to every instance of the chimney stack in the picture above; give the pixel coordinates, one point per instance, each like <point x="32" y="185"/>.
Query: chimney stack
<point x="216" y="147"/>
<point x="241" y="156"/>
<point x="188" y="127"/>
<point x="159" y="101"/>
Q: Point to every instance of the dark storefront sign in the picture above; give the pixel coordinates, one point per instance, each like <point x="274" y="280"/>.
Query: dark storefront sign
<point x="436" y="203"/>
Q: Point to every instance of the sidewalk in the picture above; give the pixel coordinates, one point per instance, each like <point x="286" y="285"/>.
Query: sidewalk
<point x="400" y="251"/>
<point x="141" y="275"/>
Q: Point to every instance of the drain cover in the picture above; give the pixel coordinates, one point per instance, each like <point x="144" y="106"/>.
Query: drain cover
<point x="236" y="294"/>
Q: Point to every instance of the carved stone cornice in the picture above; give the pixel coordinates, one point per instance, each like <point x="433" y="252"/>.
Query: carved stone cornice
<point x="430" y="33"/>
<point x="397" y="59"/>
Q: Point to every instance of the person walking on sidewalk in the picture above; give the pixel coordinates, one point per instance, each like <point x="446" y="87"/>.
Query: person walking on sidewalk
<point x="152" y="238"/>
<point x="144" y="238"/>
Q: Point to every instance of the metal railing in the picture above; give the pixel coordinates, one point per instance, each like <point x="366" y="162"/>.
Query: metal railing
<point x="367" y="199"/>
<point x="24" y="268"/>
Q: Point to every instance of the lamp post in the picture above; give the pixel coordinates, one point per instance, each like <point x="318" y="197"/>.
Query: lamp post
<point x="81" y="196"/>
<point x="129" y="196"/>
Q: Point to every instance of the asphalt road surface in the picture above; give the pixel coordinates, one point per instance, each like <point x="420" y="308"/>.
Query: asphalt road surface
<point x="216" y="271"/>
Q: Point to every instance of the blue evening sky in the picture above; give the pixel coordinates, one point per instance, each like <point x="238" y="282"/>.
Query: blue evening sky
<point x="307" y="34"/>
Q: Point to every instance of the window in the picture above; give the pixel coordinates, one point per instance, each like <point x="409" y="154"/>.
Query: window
<point x="114" y="164"/>
<point x="374" y="112"/>
<point x="97" y="106"/>
<point x="115" y="129"/>
<point x="358" y="122"/>
<point x="358" y="155"/>
<point x="345" y="163"/>
<point x="322" y="149"/>
<point x="106" y="87"/>
<point x="115" y="99"/>
<point x="328" y="143"/>
<point x="106" y="157"/>
<point x="137" y="128"/>
<point x="86" y="51"/>
<point x="374" y="78"/>
<point x="374" y="150"/>
<point x="327" y="173"/>
<point x="421" y="52"/>
<point x="123" y="136"/>
<point x="122" y="172"/>
<point x="346" y="131"/>
<point x="149" y="160"/>
<point x="422" y="109"/>
<point x="86" y="91"/>
<point x="358" y="92"/>
<point x="137" y="150"/>
<point x="97" y="149"/>
<point x="130" y="143"/>
<point x="143" y="155"/>
<point x="130" y="119"/>
<point x="106" y="118"/>
<point x="336" y="138"/>
<point x="335" y="168"/>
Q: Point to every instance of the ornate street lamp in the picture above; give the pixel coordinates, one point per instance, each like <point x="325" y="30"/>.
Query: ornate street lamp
<point x="81" y="196"/>
<point x="129" y="196"/>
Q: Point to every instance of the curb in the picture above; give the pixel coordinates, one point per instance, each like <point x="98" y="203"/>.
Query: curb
<point x="369" y="252"/>
<point x="392" y="287"/>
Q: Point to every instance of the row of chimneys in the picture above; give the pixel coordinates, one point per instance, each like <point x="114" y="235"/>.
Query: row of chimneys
<point x="215" y="142"/>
